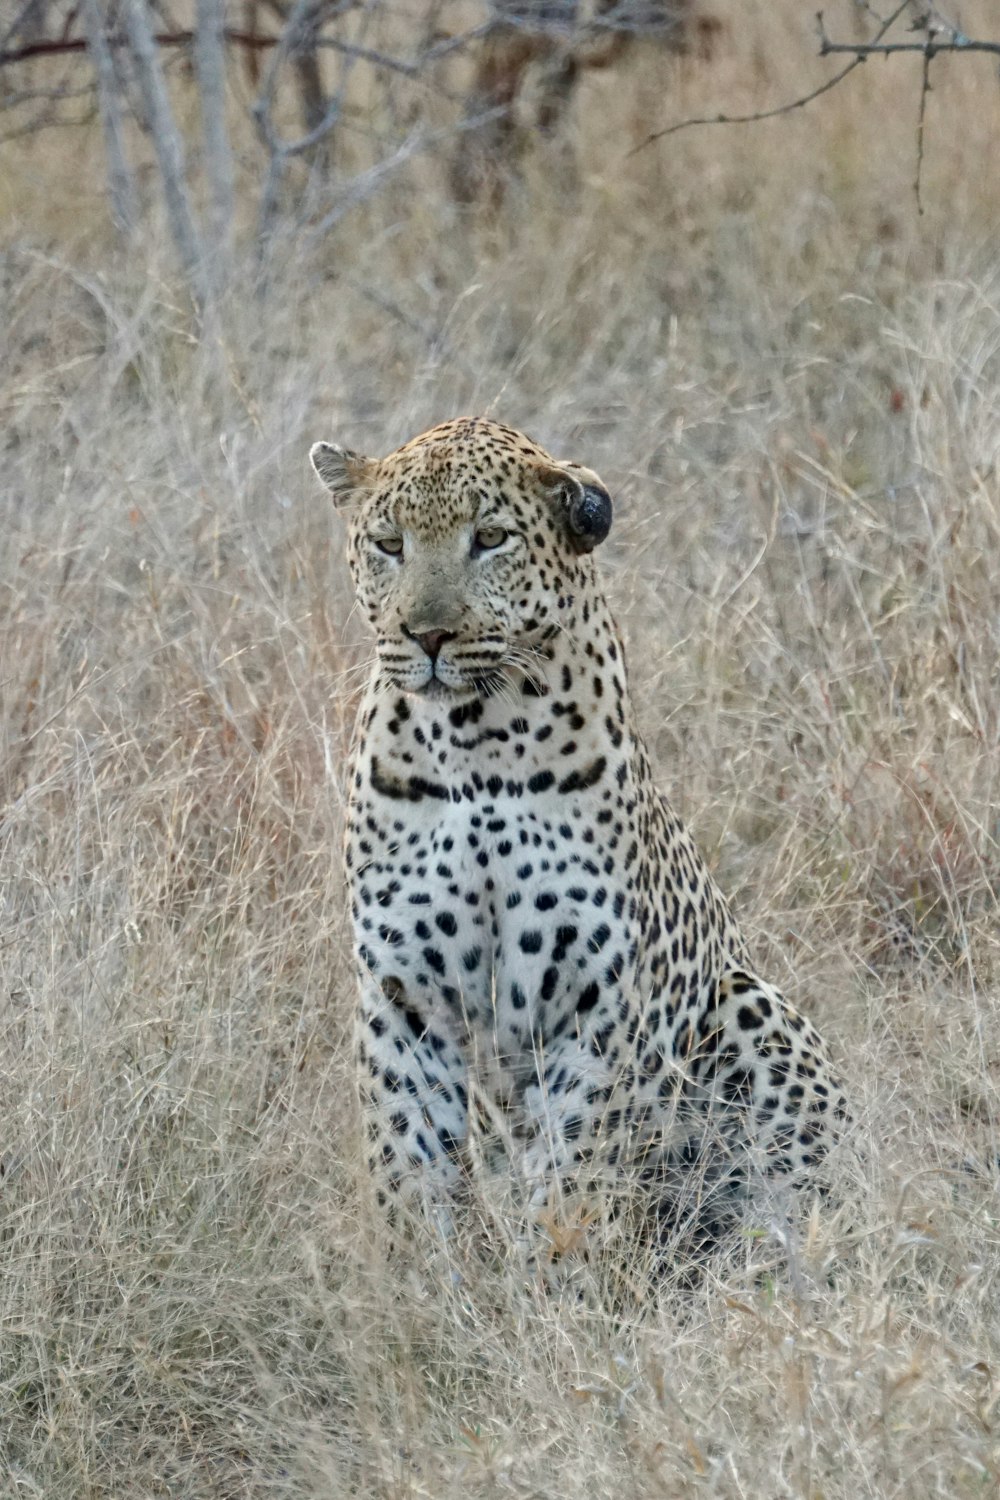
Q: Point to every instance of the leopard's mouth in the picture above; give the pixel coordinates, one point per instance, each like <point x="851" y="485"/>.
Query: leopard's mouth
<point x="500" y="668"/>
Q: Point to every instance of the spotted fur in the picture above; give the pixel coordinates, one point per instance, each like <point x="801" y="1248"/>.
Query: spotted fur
<point x="531" y="918"/>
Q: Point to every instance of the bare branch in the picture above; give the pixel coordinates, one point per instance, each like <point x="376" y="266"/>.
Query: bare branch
<point x="254" y="41"/>
<point x="940" y="36"/>
<point x="780" y="109"/>
<point x="761" y="114"/>
<point x="931" y="48"/>
<point x="124" y="204"/>
<point x="260" y="111"/>
<point x="167" y="145"/>
<point x="85" y="117"/>
<point x="210" y="62"/>
<point x="925" y="85"/>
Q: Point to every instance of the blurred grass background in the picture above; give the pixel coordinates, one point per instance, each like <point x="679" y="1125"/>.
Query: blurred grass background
<point x="790" y="379"/>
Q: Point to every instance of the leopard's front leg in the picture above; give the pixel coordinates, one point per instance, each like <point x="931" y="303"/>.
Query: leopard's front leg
<point x="580" y="1112"/>
<point x="414" y="1090"/>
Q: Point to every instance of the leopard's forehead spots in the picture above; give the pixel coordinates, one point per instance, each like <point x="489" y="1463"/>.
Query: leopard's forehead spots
<point x="455" y="472"/>
<point x="472" y="440"/>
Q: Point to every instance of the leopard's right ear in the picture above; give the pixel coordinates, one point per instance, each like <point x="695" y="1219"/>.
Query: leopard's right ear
<point x="344" y="473"/>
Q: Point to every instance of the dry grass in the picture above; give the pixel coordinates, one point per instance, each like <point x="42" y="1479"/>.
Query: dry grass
<point x="793" y="387"/>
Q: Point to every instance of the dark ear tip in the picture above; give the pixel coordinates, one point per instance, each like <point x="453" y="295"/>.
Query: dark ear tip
<point x="590" y="516"/>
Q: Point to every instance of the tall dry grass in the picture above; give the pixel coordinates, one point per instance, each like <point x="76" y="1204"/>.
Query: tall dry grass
<point x="792" y="384"/>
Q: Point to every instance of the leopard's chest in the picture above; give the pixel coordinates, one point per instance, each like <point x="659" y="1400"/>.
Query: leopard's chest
<point x="503" y="914"/>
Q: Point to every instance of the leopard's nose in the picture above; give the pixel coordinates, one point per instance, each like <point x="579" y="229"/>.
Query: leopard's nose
<point x="430" y="640"/>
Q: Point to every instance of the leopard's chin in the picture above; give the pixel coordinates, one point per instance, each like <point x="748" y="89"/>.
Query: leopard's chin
<point x="436" y="691"/>
<point x="433" y="690"/>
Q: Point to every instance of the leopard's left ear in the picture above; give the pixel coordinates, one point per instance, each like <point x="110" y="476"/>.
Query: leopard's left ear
<point x="582" y="503"/>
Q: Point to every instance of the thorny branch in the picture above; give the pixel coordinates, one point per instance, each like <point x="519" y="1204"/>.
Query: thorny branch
<point x="779" y="109"/>
<point x="930" y="48"/>
<point x="925" y="88"/>
<point x="761" y="114"/>
<point x="940" y="36"/>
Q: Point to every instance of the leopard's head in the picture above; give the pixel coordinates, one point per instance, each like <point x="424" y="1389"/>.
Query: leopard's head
<point x="470" y="549"/>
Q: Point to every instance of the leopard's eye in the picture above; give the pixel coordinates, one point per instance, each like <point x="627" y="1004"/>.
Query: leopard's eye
<point x="490" y="537"/>
<point x="391" y="545"/>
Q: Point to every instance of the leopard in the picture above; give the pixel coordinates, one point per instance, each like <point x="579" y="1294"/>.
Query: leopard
<point x="535" y="931"/>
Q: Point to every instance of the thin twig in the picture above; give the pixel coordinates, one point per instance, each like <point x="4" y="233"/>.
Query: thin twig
<point x="86" y="117"/>
<point x="761" y="114"/>
<point x="925" y="86"/>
